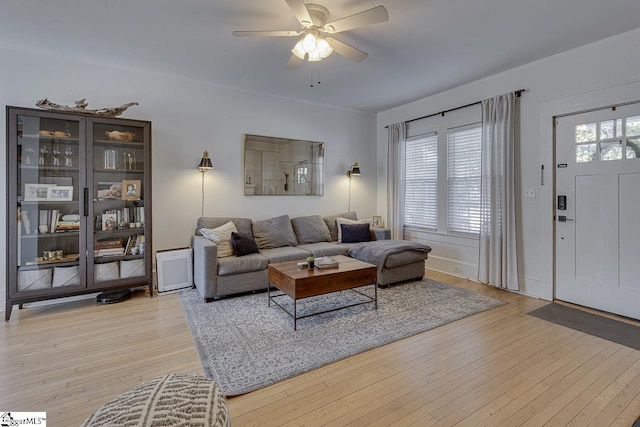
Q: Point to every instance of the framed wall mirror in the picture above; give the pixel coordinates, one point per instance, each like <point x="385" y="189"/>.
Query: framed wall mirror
<point x="282" y="167"/>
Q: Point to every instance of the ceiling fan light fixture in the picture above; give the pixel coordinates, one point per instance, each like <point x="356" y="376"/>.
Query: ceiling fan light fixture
<point x="309" y="42"/>
<point x="298" y="50"/>
<point x="314" y="56"/>
<point x="324" y="49"/>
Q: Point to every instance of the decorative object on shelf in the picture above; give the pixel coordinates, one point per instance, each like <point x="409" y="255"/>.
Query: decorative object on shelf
<point x="44" y="156"/>
<point x="205" y="165"/>
<point x="68" y="156"/>
<point x="110" y="158"/>
<point x="36" y="192"/>
<point x="116" y="135"/>
<point x="131" y="189"/>
<point x="59" y="194"/>
<point x="377" y="221"/>
<point x="109" y="222"/>
<point x="54" y="133"/>
<point x="28" y="155"/>
<point x="109" y="190"/>
<point x="81" y="107"/>
<point x="354" y="170"/>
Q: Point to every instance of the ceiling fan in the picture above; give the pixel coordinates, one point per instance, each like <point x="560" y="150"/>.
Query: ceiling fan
<point x="314" y="20"/>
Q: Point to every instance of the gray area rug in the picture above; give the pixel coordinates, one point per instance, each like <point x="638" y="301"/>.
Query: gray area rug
<point x="592" y="324"/>
<point x="245" y="345"/>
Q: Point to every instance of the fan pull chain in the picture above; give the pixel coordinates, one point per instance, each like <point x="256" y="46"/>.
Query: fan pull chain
<point x="315" y="76"/>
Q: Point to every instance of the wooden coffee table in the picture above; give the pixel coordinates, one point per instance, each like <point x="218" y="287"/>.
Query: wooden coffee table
<point x="299" y="283"/>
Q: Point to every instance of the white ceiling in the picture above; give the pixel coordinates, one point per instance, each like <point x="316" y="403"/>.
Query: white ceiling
<point x="427" y="46"/>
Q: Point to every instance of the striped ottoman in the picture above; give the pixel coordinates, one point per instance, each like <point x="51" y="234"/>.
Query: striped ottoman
<point x="168" y="400"/>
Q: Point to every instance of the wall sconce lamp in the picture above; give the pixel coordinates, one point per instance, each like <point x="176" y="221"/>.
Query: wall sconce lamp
<point x="354" y="170"/>
<point x="205" y="165"/>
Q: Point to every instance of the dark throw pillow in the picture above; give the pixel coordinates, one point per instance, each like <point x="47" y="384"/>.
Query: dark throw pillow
<point x="355" y="233"/>
<point x="243" y="244"/>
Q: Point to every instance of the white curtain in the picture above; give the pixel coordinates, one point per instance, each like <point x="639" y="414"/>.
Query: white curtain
<point x="498" y="263"/>
<point x="395" y="180"/>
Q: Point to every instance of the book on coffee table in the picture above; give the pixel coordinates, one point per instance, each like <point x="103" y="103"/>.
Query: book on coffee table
<point x="326" y="262"/>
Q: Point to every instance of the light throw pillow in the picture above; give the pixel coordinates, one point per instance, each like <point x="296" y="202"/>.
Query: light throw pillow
<point x="310" y="229"/>
<point x="244" y="244"/>
<point x="274" y="233"/>
<point x="340" y="221"/>
<point x="333" y="226"/>
<point x="221" y="236"/>
<point x="355" y="233"/>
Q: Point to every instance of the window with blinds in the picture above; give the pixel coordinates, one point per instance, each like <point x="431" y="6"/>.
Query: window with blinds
<point x="463" y="179"/>
<point x="421" y="180"/>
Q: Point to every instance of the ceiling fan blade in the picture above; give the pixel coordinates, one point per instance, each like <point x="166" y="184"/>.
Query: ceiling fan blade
<point x="368" y="17"/>
<point x="294" y="63"/>
<point x="266" y="33"/>
<point x="347" y="51"/>
<point x="300" y="11"/>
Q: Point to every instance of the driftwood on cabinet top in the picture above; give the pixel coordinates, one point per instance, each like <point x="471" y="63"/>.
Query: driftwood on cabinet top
<point x="81" y="107"/>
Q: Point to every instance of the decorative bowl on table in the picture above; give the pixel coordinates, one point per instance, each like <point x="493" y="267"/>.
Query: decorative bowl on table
<point x="116" y="135"/>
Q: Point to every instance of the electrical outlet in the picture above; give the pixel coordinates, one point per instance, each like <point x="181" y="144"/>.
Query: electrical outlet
<point x="458" y="270"/>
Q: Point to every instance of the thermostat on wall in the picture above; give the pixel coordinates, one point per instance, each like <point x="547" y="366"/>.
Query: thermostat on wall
<point x="174" y="270"/>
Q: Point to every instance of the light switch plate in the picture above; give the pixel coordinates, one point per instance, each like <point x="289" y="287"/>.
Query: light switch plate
<point x="530" y="193"/>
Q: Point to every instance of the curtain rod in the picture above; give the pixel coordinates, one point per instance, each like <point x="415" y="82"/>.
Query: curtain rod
<point x="442" y="113"/>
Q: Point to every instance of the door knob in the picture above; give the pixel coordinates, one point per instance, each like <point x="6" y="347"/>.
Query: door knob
<point x="562" y="218"/>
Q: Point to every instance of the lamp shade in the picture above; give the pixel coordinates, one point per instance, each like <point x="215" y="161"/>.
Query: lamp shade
<point x="354" y="170"/>
<point x="205" y="163"/>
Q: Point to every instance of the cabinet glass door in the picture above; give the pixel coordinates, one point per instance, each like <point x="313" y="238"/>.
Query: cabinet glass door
<point x="48" y="195"/>
<point x="118" y="192"/>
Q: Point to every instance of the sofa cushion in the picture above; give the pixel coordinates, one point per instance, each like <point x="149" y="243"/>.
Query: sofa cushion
<point x="243" y="244"/>
<point x="221" y="236"/>
<point x="274" y="233"/>
<point x="355" y="233"/>
<point x="341" y="221"/>
<point x="404" y="258"/>
<point x="325" y="249"/>
<point x="310" y="229"/>
<point x="333" y="226"/>
<point x="285" y="253"/>
<point x="245" y="264"/>
<point x="243" y="225"/>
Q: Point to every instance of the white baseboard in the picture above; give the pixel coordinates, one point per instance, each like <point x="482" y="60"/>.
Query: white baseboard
<point x="452" y="267"/>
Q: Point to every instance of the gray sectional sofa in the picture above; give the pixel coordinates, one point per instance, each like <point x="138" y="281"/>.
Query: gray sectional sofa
<point x="284" y="239"/>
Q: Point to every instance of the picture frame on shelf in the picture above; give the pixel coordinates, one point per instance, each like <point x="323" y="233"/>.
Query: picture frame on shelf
<point x="60" y="193"/>
<point x="131" y="189"/>
<point x="109" y="190"/>
<point x="377" y="221"/>
<point x="109" y="222"/>
<point x="36" y="192"/>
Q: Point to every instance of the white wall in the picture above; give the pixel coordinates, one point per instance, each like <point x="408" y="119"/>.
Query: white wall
<point x="564" y="83"/>
<point x="190" y="117"/>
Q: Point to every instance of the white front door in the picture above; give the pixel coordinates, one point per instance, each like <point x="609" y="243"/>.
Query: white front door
<point x="598" y="231"/>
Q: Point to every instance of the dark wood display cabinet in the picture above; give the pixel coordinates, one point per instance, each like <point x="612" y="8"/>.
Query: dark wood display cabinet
<point x="79" y="205"/>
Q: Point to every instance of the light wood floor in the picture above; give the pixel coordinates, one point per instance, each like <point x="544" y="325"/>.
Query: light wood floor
<point x="499" y="367"/>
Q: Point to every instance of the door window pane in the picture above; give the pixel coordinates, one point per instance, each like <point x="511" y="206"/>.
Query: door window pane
<point x="611" y="150"/>
<point x="611" y="129"/>
<point x="586" y="132"/>
<point x="585" y="153"/>
<point x="633" y="126"/>
<point x="633" y="148"/>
